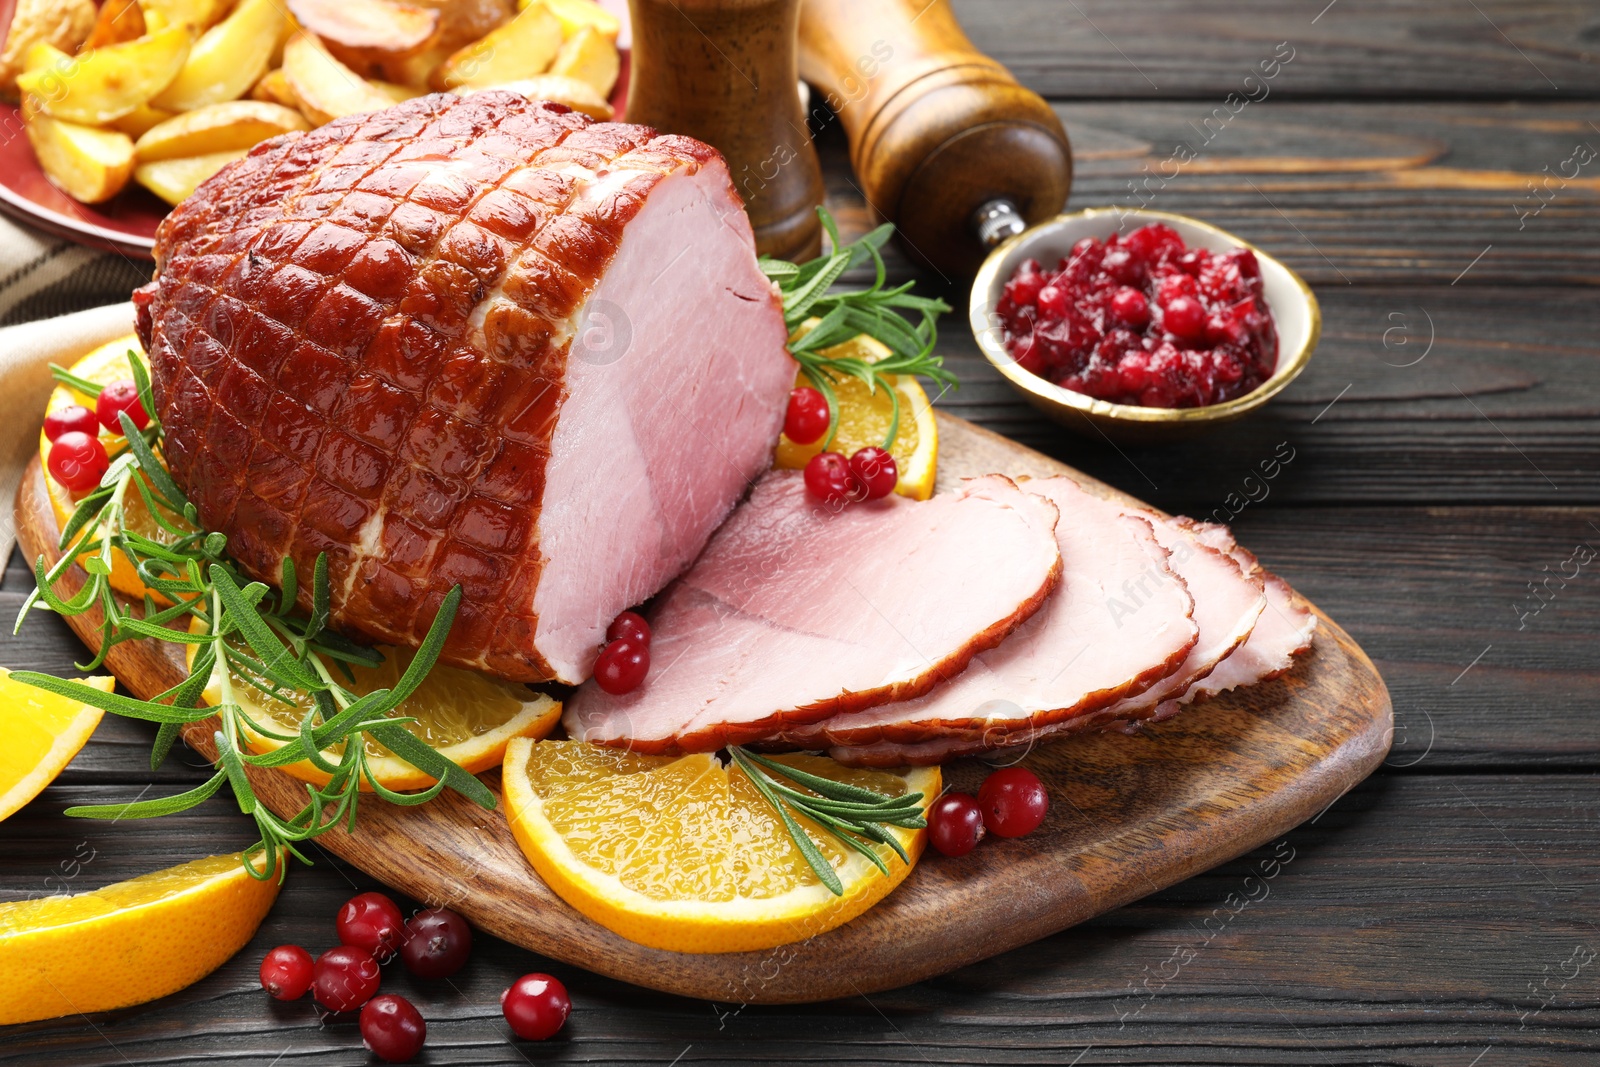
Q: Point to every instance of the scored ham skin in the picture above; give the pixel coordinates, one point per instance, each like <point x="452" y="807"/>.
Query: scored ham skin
<point x="1120" y="622"/>
<point x="468" y="340"/>
<point x="796" y="612"/>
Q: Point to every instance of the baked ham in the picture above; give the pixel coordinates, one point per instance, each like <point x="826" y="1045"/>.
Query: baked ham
<point x="1121" y="622"/>
<point x="468" y="340"/>
<point x="796" y="612"/>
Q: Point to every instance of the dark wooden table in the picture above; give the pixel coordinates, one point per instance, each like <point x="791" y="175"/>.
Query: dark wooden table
<point x="1446" y="465"/>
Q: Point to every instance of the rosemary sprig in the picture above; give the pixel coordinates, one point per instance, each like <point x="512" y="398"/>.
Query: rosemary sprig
<point x="855" y="816"/>
<point x="254" y="632"/>
<point x="844" y="315"/>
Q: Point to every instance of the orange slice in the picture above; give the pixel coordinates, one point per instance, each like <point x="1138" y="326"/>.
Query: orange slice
<point x="104" y="365"/>
<point x="469" y="717"/>
<point x="683" y="853"/>
<point x="40" y="732"/>
<point x="864" y="417"/>
<point x="127" y="943"/>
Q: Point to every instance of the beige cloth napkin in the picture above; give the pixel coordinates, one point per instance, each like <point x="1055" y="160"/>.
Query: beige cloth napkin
<point x="26" y="353"/>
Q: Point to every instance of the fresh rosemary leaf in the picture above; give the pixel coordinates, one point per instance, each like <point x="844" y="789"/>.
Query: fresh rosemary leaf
<point x="72" y="381"/>
<point x="153" y="808"/>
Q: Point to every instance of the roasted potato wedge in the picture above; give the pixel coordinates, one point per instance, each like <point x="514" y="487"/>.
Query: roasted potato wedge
<point x="364" y="33"/>
<point x="118" y="21"/>
<point x="226" y="127"/>
<point x="228" y="58"/>
<point x="576" y="14"/>
<point x="198" y="15"/>
<point x="579" y="96"/>
<point x="174" y="179"/>
<point x="108" y="83"/>
<point x="87" y="164"/>
<point x="522" y="48"/>
<point x="62" y="24"/>
<point x="273" y="88"/>
<point x="140" y="119"/>
<point x="323" y="87"/>
<point x="589" y="56"/>
<point x="397" y="93"/>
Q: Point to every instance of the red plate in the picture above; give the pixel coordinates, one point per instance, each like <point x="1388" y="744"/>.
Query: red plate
<point x="127" y="222"/>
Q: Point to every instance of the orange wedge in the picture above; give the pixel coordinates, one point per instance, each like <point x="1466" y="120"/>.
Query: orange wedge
<point x="127" y="943"/>
<point x="104" y="365"/>
<point x="469" y="717"/>
<point x="864" y="417"/>
<point x="683" y="853"/>
<point x="40" y="732"/>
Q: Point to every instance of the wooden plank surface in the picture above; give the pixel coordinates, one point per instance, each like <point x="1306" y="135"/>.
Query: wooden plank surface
<point x="1429" y="917"/>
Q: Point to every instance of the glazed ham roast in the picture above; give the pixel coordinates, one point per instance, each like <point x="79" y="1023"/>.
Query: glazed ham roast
<point x="796" y="612"/>
<point x="468" y="340"/>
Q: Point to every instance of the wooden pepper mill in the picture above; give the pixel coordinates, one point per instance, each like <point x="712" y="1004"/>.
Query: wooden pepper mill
<point x="946" y="144"/>
<point x="724" y="71"/>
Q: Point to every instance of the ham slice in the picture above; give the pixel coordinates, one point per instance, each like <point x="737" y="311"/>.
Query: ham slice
<point x="1121" y="622"/>
<point x="1271" y="624"/>
<point x="1286" y="629"/>
<point x="474" y="341"/>
<point x="795" y="612"/>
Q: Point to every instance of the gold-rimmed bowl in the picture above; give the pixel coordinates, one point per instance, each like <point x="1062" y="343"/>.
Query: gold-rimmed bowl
<point x="1294" y="311"/>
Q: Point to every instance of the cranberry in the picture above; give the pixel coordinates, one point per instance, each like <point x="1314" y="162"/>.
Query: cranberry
<point x="1054" y="300"/>
<point x="78" y="461"/>
<point x="622" y="666"/>
<point x="286" y="972"/>
<point x="117" y="398"/>
<point x="629" y="624"/>
<point x="371" y="922"/>
<point x="877" y="471"/>
<point x="74" y="418"/>
<point x="830" y="479"/>
<point x="392" y="1029"/>
<point x="955" y="825"/>
<point x="808" y="416"/>
<point x="345" y="978"/>
<point x="1130" y="308"/>
<point x="1184" y="317"/>
<point x="1013" y="801"/>
<point x="536" y="1006"/>
<point x="437" y="944"/>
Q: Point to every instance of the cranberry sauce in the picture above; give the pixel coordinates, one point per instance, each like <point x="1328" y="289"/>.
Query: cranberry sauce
<point x="1143" y="319"/>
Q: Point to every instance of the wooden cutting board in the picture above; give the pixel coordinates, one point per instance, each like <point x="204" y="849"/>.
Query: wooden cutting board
<point x="1128" y="815"/>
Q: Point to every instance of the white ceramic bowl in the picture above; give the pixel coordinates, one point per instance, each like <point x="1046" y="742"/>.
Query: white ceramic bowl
<point x="1294" y="311"/>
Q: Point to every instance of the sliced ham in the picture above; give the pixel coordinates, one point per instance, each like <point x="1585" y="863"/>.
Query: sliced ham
<point x="475" y="341"/>
<point x="1285" y="630"/>
<point x="1121" y="622"/>
<point x="795" y="612"/>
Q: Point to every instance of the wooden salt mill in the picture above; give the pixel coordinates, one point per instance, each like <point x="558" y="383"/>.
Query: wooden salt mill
<point x="724" y="71"/>
<point x="946" y="144"/>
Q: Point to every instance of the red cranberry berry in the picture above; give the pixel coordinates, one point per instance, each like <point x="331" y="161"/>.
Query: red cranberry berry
<point x="117" y="398"/>
<point x="829" y="479"/>
<point x="955" y="825"/>
<point x="286" y="972"/>
<point x="78" y="461"/>
<point x="536" y="1006"/>
<point x="392" y="1029"/>
<point x="1129" y="307"/>
<point x="622" y="665"/>
<point x="345" y="978"/>
<point x="1013" y="801"/>
<point x="807" y="418"/>
<point x="631" y="625"/>
<point x="74" y="418"/>
<point x="876" y="470"/>
<point x="373" y="923"/>
<point x="1184" y="317"/>
<point x="437" y="944"/>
